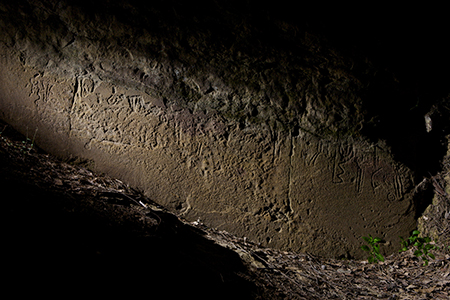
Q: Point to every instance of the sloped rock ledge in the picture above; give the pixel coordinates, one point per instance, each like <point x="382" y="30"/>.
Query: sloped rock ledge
<point x="249" y="122"/>
<point x="90" y="234"/>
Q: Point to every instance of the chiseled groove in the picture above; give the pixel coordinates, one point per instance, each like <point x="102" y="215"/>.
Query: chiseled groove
<point x="291" y="155"/>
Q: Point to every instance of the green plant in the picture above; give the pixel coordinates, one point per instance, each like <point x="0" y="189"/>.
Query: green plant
<point x="25" y="147"/>
<point x="423" y="246"/>
<point x="374" y="249"/>
<point x="28" y="144"/>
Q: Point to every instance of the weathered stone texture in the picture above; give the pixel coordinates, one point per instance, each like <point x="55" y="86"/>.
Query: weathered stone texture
<point x="262" y="142"/>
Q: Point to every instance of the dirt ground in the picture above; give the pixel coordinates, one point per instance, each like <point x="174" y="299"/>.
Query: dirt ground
<point x="68" y="231"/>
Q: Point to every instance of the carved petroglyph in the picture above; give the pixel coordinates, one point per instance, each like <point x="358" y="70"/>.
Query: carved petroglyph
<point x="104" y="113"/>
<point x="198" y="170"/>
<point x="359" y="179"/>
<point x="344" y="155"/>
<point x="40" y="88"/>
<point x="136" y="103"/>
<point x="387" y="177"/>
<point x="51" y="100"/>
<point x="291" y="191"/>
<point x="352" y="166"/>
<point x="310" y="155"/>
<point x="295" y="188"/>
<point x="109" y="114"/>
<point x="191" y="164"/>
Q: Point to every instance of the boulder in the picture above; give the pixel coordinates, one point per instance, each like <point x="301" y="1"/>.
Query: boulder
<point x="250" y="123"/>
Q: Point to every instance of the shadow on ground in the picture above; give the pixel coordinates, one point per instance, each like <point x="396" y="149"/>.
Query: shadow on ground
<point x="58" y="242"/>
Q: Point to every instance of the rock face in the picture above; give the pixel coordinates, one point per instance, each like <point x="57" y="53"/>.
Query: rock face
<point x="241" y="120"/>
<point x="435" y="220"/>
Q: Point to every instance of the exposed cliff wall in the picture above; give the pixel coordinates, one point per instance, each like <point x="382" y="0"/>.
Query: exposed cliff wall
<point x="233" y="116"/>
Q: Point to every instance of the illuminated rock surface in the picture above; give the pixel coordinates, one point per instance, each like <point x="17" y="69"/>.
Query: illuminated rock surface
<point x="249" y="122"/>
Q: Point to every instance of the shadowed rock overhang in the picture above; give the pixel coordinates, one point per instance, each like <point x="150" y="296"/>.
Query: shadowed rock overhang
<point x="279" y="128"/>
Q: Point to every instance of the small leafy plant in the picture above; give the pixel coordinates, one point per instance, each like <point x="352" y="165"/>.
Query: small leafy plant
<point x="28" y="144"/>
<point x="374" y="249"/>
<point x="423" y="246"/>
<point x="25" y="147"/>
